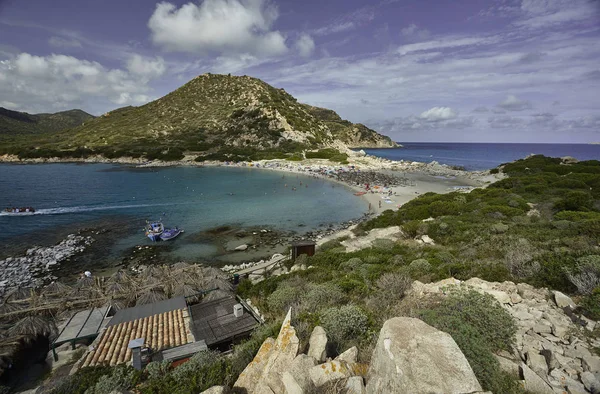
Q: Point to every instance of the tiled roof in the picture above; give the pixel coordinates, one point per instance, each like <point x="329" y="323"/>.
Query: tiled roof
<point x="160" y="331"/>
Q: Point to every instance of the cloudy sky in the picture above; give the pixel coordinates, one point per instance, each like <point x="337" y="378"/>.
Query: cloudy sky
<point x="417" y="70"/>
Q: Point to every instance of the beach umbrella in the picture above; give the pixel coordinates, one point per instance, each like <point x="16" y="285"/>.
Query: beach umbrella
<point x="120" y="276"/>
<point x="8" y="307"/>
<point x="33" y="326"/>
<point x="19" y="294"/>
<point x="114" y="289"/>
<point x="56" y="289"/>
<point x="184" y="290"/>
<point x="216" y="295"/>
<point x="150" y="297"/>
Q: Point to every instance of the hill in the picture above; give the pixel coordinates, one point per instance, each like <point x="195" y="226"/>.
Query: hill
<point x="217" y="117"/>
<point x="354" y="135"/>
<point x="14" y="122"/>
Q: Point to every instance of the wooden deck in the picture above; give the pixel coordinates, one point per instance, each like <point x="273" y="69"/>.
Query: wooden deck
<point x="214" y="321"/>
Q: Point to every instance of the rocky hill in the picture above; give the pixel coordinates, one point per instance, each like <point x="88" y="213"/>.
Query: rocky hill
<point x="354" y="135"/>
<point x="14" y="122"/>
<point x="215" y="116"/>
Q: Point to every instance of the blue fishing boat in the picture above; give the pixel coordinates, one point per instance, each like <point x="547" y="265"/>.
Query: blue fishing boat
<point x="170" y="233"/>
<point x="154" y="230"/>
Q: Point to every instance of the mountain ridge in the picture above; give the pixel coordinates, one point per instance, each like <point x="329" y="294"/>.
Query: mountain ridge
<point x="216" y="116"/>
<point x="16" y="122"/>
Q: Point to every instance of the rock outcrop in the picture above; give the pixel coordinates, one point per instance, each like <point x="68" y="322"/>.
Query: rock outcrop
<point x="318" y="344"/>
<point x="264" y="373"/>
<point x="553" y="354"/>
<point x="413" y="357"/>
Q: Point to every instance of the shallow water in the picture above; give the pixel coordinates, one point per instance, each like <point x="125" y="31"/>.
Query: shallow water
<point x="195" y="199"/>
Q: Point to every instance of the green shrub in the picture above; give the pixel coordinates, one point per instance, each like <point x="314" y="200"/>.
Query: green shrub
<point x="345" y="322"/>
<point x="575" y="201"/>
<point x="591" y="304"/>
<point x="82" y="380"/>
<point x="285" y="296"/>
<point x="122" y="377"/>
<point x="480" y="327"/>
<point x="318" y="296"/>
<point x="419" y="267"/>
<point x="384" y="243"/>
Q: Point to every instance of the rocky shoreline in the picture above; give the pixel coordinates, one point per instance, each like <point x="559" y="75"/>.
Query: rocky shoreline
<point x="35" y="267"/>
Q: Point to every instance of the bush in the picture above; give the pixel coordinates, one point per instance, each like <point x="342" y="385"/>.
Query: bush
<point x="575" y="201"/>
<point x="384" y="243"/>
<point x="284" y="297"/>
<point x="346" y="322"/>
<point x="122" y="377"/>
<point x="586" y="276"/>
<point x="82" y="380"/>
<point x="318" y="296"/>
<point x="480" y="327"/>
<point x="591" y="305"/>
<point x="205" y="369"/>
<point x="419" y="267"/>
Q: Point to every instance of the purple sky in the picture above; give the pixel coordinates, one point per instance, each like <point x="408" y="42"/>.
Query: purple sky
<point x="417" y="70"/>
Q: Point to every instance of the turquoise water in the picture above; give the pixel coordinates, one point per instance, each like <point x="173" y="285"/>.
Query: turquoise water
<point x="482" y="156"/>
<point x="195" y="199"/>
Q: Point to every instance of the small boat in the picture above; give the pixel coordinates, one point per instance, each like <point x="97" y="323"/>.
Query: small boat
<point x="170" y="233"/>
<point x="154" y="230"/>
<point x="20" y="210"/>
<point x="360" y="193"/>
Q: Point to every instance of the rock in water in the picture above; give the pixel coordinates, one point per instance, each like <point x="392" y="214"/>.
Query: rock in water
<point x="413" y="357"/>
<point x="318" y="344"/>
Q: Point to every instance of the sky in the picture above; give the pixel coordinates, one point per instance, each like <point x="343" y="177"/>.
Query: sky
<point x="416" y="70"/>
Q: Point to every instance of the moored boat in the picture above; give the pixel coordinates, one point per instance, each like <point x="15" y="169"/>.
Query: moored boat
<point x="170" y="233"/>
<point x="154" y="230"/>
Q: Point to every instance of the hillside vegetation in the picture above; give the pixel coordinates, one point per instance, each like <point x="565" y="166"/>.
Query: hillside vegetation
<point x="17" y="123"/>
<point x="216" y="117"/>
<point x="540" y="225"/>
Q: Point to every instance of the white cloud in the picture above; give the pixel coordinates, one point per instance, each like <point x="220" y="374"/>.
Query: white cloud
<point x="335" y="28"/>
<point x="58" y="82"/>
<point x="218" y="26"/>
<point x="512" y="103"/>
<point x="437" y="114"/>
<point x="60" y="42"/>
<point x="545" y="13"/>
<point x="443" y="43"/>
<point x="305" y="45"/>
<point x="146" y="68"/>
<point x="413" y="32"/>
<point x="9" y="105"/>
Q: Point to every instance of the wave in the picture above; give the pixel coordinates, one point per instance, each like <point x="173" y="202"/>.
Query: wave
<point x="65" y="210"/>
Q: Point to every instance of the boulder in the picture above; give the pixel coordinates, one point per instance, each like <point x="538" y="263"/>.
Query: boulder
<point x="590" y="382"/>
<point x="500" y="296"/>
<point x="533" y="383"/>
<point x="355" y="385"/>
<point x="264" y="373"/>
<point x="413" y="357"/>
<point x="349" y="356"/>
<point x="563" y="300"/>
<point x="290" y="384"/>
<point x="241" y="247"/>
<point x="299" y="369"/>
<point x="335" y="370"/>
<point x="216" y="390"/>
<point x="318" y="344"/>
<point x="508" y="365"/>
<point x="537" y="363"/>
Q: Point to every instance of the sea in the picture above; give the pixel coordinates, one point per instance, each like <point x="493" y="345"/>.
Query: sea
<point x="482" y="156"/>
<point x="73" y="196"/>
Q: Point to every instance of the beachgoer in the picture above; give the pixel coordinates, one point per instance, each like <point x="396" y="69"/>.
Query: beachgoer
<point x="379" y="204"/>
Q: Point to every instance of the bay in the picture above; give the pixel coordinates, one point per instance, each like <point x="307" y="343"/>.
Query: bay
<point x="68" y="196"/>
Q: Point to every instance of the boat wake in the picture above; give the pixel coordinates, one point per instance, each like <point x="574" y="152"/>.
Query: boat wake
<point x="66" y="210"/>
